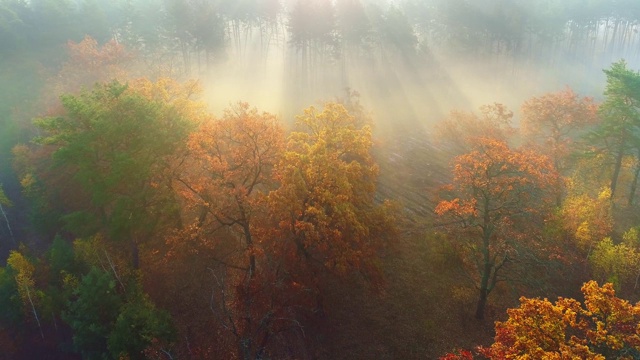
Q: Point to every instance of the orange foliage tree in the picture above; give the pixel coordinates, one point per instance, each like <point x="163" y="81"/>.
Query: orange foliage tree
<point x="231" y="171"/>
<point x="461" y="130"/>
<point x="223" y="183"/>
<point x="492" y="205"/>
<point x="604" y="327"/>
<point x="90" y="63"/>
<point x="553" y="119"/>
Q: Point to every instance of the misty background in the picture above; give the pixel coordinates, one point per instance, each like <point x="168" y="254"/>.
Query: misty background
<point x="411" y="60"/>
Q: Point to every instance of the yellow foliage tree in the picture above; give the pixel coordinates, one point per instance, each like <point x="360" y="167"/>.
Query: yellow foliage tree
<point x="616" y="263"/>
<point x="587" y="219"/>
<point x="183" y="97"/>
<point x="325" y="204"/>
<point x="604" y="327"/>
<point x="26" y="284"/>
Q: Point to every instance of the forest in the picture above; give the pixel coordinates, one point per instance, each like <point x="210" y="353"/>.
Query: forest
<point x="319" y="179"/>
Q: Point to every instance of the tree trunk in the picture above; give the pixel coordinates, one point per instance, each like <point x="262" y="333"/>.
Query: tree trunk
<point x="249" y="240"/>
<point x="485" y="274"/>
<point x="484" y="282"/>
<point x="6" y="219"/>
<point x="618" y="166"/>
<point x="35" y="313"/>
<point x="482" y="303"/>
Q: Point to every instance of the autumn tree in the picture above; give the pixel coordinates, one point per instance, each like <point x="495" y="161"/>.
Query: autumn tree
<point x="329" y="219"/>
<point x="25" y="283"/>
<point x="232" y="162"/>
<point x="461" y="130"/>
<point x="67" y="289"/>
<point x="458" y="355"/>
<point x="89" y="63"/>
<point x="587" y="219"/>
<point x="21" y="304"/>
<point x="615" y="263"/>
<point x="493" y="207"/>
<point x="181" y="96"/>
<point x="554" y="120"/>
<point x="227" y="175"/>
<point x="603" y="327"/>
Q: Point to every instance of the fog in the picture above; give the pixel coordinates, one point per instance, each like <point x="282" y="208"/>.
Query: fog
<point x="417" y="85"/>
<point x="411" y="61"/>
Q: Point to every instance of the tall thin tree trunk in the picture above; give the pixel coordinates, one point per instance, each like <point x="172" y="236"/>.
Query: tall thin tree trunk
<point x="35" y="313"/>
<point x="6" y="219"/>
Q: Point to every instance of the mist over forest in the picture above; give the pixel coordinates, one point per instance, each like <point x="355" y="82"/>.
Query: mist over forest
<point x="319" y="179"/>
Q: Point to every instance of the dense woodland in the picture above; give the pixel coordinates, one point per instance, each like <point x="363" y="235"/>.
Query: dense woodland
<point x="317" y="179"/>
